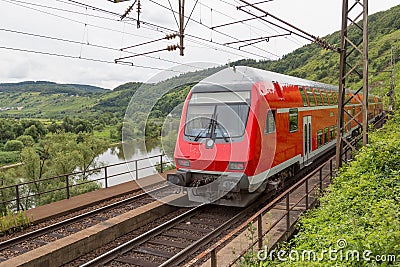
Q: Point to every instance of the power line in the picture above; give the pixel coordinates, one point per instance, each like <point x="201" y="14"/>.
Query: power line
<point x="292" y="39"/>
<point x="82" y="58"/>
<point x="151" y="25"/>
<point x="163" y="29"/>
<point x="15" y="2"/>
<point x="225" y="15"/>
<point x="89" y="44"/>
<point x="208" y="27"/>
<point x="302" y="34"/>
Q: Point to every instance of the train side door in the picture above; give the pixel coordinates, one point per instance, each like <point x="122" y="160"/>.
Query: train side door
<point x="307" y="138"/>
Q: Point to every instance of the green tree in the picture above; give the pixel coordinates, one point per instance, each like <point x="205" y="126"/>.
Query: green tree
<point x="33" y="132"/>
<point x="54" y="127"/>
<point x="7" y="178"/>
<point x="31" y="171"/>
<point x="6" y="130"/>
<point x="59" y="154"/>
<point x="89" y="148"/>
<point x="13" y="145"/>
<point x="27" y="140"/>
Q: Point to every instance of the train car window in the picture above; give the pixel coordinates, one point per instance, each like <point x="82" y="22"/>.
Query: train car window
<point x="270" y="122"/>
<point x="311" y="97"/>
<point x="332" y="132"/>
<point x="304" y="97"/>
<point x="224" y="106"/>
<point x="318" y="96"/>
<point x="325" y="96"/>
<point x="319" y="138"/>
<point x="326" y="135"/>
<point x="293" y="120"/>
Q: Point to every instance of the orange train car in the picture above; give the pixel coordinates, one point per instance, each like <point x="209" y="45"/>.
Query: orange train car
<point x="243" y="131"/>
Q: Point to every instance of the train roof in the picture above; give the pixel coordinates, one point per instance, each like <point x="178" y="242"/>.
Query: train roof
<point x="243" y="75"/>
<point x="241" y="78"/>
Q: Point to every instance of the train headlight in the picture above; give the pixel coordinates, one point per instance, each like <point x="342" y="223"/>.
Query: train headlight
<point x="184" y="162"/>
<point x="236" y="166"/>
<point x="209" y="143"/>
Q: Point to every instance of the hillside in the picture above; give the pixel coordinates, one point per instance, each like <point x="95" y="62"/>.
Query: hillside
<point x="313" y="63"/>
<point x="43" y="99"/>
<point x="51" y="100"/>
<point x="46" y="87"/>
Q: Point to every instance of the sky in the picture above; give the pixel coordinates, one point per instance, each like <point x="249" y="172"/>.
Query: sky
<point x="66" y="41"/>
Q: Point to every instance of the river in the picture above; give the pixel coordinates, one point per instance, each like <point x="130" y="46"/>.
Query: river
<point x="125" y="153"/>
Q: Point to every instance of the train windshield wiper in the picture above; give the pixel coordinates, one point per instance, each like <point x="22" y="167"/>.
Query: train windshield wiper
<point x="226" y="138"/>
<point x="211" y="127"/>
<point x="198" y="136"/>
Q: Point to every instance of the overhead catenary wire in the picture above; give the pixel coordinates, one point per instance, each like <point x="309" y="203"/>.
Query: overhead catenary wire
<point x="168" y="48"/>
<point x="167" y="37"/>
<point x="158" y="29"/>
<point x="208" y="27"/>
<point x="235" y="22"/>
<point x="89" y="44"/>
<point x="173" y="14"/>
<point x="80" y="22"/>
<point x="281" y="27"/>
<point x="151" y="26"/>
<point x="15" y="2"/>
<point x="128" y="10"/>
<point x="191" y="13"/>
<point x="292" y="39"/>
<point x="82" y="58"/>
<point x="303" y="34"/>
<point x="257" y="3"/>
<point x="255" y="39"/>
<point x="164" y="29"/>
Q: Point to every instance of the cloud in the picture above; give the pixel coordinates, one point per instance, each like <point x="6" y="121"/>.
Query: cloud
<point x="20" y="66"/>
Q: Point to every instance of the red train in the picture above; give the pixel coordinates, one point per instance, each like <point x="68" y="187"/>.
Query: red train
<point x="244" y="130"/>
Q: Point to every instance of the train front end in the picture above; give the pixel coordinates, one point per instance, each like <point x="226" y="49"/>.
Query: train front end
<point x="213" y="151"/>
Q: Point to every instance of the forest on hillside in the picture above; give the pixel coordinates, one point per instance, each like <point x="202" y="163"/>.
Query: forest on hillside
<point x="104" y="110"/>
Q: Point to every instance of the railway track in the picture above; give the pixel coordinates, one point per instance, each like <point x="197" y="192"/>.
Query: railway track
<point x="24" y="243"/>
<point x="173" y="241"/>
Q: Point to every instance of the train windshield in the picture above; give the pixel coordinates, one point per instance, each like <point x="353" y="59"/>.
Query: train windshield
<point x="219" y="115"/>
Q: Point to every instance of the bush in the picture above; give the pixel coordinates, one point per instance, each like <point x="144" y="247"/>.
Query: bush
<point x="27" y="140"/>
<point x="11" y="222"/>
<point x="360" y="212"/>
<point x="8" y="157"/>
<point x="13" y="145"/>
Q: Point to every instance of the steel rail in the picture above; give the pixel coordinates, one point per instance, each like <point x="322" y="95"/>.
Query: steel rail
<point x="112" y="254"/>
<point x="182" y="255"/>
<point x="42" y="231"/>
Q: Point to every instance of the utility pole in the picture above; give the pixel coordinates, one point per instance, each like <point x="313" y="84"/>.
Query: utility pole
<point x="181" y="25"/>
<point x="358" y="49"/>
<point x="392" y="93"/>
